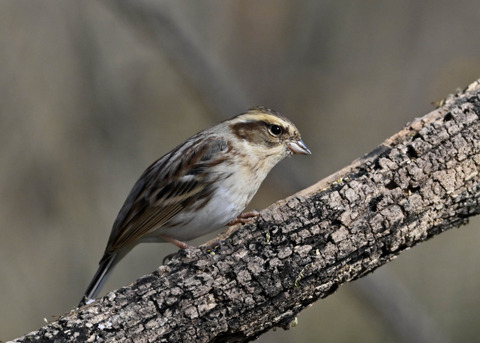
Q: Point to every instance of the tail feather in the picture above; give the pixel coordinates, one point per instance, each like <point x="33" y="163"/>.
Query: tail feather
<point x="99" y="279"/>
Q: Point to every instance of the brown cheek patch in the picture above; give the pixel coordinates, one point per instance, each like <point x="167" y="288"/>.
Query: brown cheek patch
<point x="254" y="132"/>
<point x="246" y="130"/>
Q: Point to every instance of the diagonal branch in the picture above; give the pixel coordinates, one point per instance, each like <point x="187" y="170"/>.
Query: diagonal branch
<point x="418" y="183"/>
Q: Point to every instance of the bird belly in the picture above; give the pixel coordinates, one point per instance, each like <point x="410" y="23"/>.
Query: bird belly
<point x="217" y="212"/>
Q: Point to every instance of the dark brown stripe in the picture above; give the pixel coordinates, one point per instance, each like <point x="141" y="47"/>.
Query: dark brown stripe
<point x="255" y="132"/>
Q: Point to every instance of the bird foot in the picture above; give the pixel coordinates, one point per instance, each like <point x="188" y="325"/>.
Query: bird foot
<point x="180" y="244"/>
<point x="243" y="218"/>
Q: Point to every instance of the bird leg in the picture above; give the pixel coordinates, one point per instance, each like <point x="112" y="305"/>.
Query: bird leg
<point x="178" y="243"/>
<point x="243" y="218"/>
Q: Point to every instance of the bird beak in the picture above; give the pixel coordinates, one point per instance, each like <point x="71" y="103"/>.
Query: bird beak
<point x="298" y="147"/>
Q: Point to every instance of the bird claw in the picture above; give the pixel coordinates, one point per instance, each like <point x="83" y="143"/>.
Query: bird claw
<point x="168" y="258"/>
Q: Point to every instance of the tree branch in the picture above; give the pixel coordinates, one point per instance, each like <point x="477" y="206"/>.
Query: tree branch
<point x="417" y="184"/>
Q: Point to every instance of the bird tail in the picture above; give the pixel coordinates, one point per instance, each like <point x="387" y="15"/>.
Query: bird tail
<point x="99" y="279"/>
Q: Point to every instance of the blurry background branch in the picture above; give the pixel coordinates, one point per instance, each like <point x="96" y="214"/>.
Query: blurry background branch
<point x="94" y="92"/>
<point x="419" y="183"/>
<point x="202" y="70"/>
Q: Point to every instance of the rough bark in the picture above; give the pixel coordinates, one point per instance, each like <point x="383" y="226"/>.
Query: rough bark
<point x="417" y="184"/>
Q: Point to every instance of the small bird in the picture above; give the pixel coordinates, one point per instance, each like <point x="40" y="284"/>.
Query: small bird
<point x="200" y="186"/>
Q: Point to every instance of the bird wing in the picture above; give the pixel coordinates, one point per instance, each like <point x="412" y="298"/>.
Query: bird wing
<point x="166" y="188"/>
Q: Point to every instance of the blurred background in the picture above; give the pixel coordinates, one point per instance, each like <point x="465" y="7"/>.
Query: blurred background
<point x="93" y="92"/>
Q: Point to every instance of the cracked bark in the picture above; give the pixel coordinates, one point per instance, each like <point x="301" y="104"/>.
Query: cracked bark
<point x="418" y="183"/>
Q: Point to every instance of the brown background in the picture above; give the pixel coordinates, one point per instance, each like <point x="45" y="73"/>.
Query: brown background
<point x="89" y="97"/>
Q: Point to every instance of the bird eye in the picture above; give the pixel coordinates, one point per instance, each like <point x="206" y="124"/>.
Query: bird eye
<point x="275" y="130"/>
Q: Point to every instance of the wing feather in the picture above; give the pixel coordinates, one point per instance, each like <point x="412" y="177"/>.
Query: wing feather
<point x="165" y="189"/>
